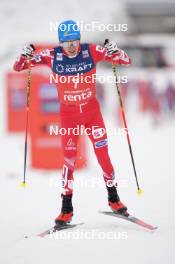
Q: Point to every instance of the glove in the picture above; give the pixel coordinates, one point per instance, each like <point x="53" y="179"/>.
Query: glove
<point x="111" y="47"/>
<point x="28" y="51"/>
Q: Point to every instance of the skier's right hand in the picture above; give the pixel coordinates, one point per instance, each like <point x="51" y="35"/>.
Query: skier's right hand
<point x="28" y="51"/>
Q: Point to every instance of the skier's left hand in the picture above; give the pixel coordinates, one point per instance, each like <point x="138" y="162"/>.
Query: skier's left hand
<point x="111" y="47"/>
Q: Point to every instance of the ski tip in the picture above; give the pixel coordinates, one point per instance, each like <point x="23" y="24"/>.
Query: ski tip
<point x="54" y="229"/>
<point x="154" y="228"/>
<point x="105" y="212"/>
<point x="139" y="192"/>
<point x="23" y="184"/>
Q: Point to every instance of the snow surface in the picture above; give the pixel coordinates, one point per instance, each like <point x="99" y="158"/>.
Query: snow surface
<point x="30" y="211"/>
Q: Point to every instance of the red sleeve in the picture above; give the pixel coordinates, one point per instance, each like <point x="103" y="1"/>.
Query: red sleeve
<point x="99" y="53"/>
<point x="43" y="58"/>
<point x="119" y="58"/>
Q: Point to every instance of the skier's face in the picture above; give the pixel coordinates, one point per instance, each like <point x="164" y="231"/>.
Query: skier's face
<point x="71" y="47"/>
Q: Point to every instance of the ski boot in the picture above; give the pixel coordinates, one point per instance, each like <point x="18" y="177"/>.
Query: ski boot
<point x="114" y="202"/>
<point x="66" y="211"/>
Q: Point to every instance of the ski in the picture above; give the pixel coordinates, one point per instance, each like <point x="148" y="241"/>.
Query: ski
<point x="57" y="228"/>
<point x="130" y="218"/>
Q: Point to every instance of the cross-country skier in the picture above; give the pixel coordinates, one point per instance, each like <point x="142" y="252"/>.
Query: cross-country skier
<point x="79" y="105"/>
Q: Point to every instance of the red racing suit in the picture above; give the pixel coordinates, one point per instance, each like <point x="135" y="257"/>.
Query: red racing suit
<point x="76" y="84"/>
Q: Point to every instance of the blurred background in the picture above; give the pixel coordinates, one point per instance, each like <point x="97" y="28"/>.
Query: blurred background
<point x="149" y="101"/>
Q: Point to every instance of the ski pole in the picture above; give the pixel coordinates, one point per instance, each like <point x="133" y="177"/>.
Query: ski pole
<point x="139" y="191"/>
<point x="23" y="183"/>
